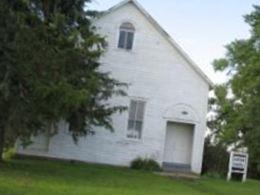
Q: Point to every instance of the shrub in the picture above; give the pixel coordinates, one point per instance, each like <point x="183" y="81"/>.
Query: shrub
<point x="216" y="162"/>
<point x="145" y="164"/>
<point x="9" y="154"/>
<point x="213" y="175"/>
<point x="215" y="159"/>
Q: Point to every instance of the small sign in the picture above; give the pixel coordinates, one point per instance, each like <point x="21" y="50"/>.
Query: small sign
<point x="238" y="164"/>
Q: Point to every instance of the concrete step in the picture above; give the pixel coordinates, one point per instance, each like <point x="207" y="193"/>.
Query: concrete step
<point x="175" y="167"/>
<point x="179" y="175"/>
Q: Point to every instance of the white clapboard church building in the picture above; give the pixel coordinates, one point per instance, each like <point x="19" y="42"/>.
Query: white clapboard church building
<point x="167" y="99"/>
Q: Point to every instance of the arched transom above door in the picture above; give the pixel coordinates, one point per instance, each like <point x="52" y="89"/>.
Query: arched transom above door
<point x="181" y="112"/>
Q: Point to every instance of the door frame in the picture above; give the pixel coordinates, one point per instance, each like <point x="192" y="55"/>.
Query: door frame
<point x="193" y="138"/>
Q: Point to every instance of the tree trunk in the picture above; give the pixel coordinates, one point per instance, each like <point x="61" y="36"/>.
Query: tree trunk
<point x="2" y="138"/>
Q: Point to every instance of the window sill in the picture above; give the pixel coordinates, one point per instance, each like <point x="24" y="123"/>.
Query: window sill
<point x="130" y="51"/>
<point x="131" y="140"/>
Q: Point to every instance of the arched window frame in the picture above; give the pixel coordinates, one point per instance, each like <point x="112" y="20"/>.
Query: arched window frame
<point x="126" y="36"/>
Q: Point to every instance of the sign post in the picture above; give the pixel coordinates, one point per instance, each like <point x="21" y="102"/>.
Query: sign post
<point x="238" y="164"/>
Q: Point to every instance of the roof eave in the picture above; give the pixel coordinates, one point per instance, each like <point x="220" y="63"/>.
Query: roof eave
<point x="196" y="68"/>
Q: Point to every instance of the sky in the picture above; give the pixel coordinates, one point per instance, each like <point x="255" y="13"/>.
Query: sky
<point x="201" y="27"/>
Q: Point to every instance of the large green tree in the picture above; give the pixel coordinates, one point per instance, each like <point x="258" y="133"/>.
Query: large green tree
<point x="236" y="104"/>
<point x="49" y="70"/>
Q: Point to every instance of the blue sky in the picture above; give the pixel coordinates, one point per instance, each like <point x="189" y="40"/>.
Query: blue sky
<point x="201" y="27"/>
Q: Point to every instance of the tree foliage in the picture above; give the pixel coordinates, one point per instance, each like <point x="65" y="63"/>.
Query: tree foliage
<point x="237" y="103"/>
<point x="215" y="159"/>
<point x="50" y="70"/>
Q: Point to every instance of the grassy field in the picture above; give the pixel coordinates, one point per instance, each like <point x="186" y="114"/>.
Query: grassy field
<point x="37" y="177"/>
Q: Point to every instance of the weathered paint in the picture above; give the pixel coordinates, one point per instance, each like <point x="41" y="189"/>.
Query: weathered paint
<point x="157" y="73"/>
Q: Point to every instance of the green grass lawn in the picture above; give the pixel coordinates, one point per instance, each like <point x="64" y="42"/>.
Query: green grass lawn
<point x="36" y="177"/>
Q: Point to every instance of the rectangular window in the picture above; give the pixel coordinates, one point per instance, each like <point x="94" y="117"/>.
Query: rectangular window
<point x="122" y="37"/>
<point x="135" y="120"/>
<point x="130" y="39"/>
<point x="126" y="39"/>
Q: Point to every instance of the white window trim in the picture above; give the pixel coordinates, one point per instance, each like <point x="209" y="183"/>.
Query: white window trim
<point x="145" y="100"/>
<point x="126" y="39"/>
<point x="118" y="35"/>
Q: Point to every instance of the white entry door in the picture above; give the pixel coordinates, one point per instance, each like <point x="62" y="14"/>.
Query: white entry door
<point x="178" y="143"/>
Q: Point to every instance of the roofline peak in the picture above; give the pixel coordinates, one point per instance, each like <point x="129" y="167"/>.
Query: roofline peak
<point x="193" y="65"/>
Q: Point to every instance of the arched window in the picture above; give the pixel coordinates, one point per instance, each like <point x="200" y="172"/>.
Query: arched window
<point x="126" y="36"/>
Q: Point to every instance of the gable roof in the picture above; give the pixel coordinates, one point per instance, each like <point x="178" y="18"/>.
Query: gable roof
<point x="193" y="65"/>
